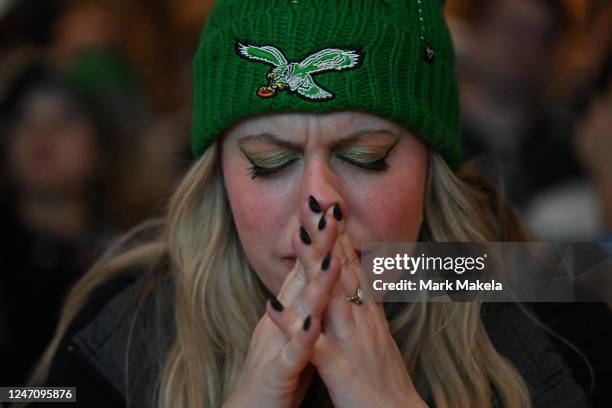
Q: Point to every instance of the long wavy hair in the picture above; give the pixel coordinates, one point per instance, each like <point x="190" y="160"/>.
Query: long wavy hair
<point x="219" y="299"/>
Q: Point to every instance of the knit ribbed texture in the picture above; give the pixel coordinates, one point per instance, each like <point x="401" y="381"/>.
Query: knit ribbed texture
<point x="393" y="79"/>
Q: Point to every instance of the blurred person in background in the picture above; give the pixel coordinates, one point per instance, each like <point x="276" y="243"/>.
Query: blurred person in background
<point x="593" y="140"/>
<point x="580" y="208"/>
<point x="536" y="101"/>
<point x="158" y="41"/>
<point x="505" y="59"/>
<point x="577" y="206"/>
<point x="82" y="156"/>
<point x="101" y="44"/>
<point x="55" y="149"/>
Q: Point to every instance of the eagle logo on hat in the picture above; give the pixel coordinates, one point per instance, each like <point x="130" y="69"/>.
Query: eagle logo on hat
<point x="296" y="77"/>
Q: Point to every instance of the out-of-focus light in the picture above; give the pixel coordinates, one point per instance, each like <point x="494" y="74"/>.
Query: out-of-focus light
<point x="5" y="5"/>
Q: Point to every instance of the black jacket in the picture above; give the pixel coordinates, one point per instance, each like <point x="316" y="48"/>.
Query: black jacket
<point x="92" y="353"/>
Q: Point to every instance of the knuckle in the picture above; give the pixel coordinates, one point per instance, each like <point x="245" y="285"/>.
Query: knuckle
<point x="287" y="357"/>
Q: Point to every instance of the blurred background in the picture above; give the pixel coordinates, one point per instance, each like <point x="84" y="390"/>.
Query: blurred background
<point x="95" y="101"/>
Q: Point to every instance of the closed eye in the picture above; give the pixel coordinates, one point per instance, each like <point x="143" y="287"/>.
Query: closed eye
<point x="367" y="157"/>
<point x="260" y="171"/>
<point x="376" y="165"/>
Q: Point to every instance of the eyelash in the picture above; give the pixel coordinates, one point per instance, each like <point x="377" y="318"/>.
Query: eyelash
<point x="378" y="165"/>
<point x="259" y="171"/>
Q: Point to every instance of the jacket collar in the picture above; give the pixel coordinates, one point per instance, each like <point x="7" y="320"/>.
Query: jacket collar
<point x="126" y="342"/>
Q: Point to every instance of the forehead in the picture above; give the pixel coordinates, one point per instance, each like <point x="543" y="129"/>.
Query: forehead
<point x="330" y="125"/>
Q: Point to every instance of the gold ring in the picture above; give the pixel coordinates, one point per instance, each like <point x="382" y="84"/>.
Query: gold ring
<point x="357" y="298"/>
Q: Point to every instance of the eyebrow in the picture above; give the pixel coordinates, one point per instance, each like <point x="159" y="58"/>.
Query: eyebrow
<point x="344" y="141"/>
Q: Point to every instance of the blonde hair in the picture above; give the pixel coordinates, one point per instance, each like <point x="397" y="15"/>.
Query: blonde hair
<point x="219" y="299"/>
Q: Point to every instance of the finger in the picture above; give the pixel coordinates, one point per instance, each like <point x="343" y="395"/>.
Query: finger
<point x="348" y="282"/>
<point x="305" y="251"/>
<point x="294" y="283"/>
<point x="317" y="294"/>
<point x="313" y="300"/>
<point x="284" y="317"/>
<point x="340" y="317"/>
<point x="353" y="262"/>
<point x="297" y="352"/>
<point x="320" y="224"/>
<point x="353" y="273"/>
<point x="303" y="241"/>
<point x="349" y="277"/>
<point x="338" y="214"/>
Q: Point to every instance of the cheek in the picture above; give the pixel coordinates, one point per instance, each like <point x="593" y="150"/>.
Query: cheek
<point x="253" y="211"/>
<point x="394" y="209"/>
<point x="80" y="153"/>
<point x="260" y="221"/>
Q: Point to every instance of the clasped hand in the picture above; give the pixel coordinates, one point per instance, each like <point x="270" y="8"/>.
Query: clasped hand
<point x="310" y="324"/>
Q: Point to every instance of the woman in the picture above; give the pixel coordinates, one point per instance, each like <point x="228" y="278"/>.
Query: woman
<point x="52" y="205"/>
<point x="306" y="116"/>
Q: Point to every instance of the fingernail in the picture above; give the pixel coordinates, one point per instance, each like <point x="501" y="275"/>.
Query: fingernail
<point x="326" y="261"/>
<point x="322" y="223"/>
<point x="304" y="236"/>
<point x="307" y="323"/>
<point x="314" y="204"/>
<point x="337" y="212"/>
<point x="276" y="305"/>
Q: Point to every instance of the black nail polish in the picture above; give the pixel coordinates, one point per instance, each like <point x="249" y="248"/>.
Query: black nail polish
<point x="326" y="262"/>
<point x="276" y="304"/>
<point x="322" y="223"/>
<point x="314" y="204"/>
<point x="307" y="323"/>
<point x="337" y="212"/>
<point x="304" y="236"/>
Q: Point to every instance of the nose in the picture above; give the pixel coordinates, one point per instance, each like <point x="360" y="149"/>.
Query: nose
<point x="321" y="181"/>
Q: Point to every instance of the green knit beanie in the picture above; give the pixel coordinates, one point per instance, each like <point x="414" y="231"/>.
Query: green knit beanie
<point x="393" y="58"/>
